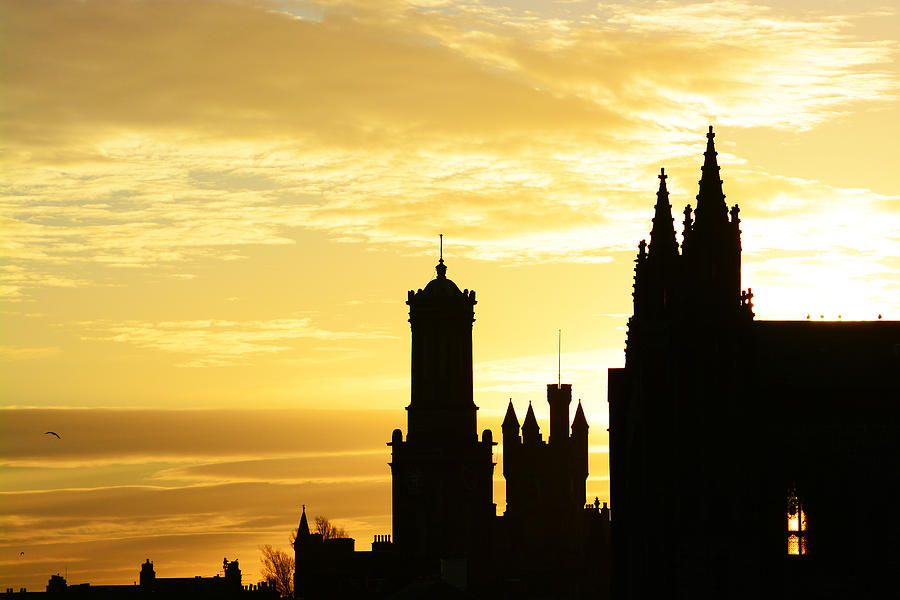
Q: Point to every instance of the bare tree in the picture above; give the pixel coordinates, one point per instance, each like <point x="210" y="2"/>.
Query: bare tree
<point x="278" y="566"/>
<point x="328" y="529"/>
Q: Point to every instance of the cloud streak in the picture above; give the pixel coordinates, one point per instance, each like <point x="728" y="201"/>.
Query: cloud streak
<point x="217" y="342"/>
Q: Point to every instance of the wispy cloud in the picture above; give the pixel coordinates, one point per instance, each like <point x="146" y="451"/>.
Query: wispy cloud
<point x="217" y="342"/>
<point x="18" y="353"/>
<point x="527" y="137"/>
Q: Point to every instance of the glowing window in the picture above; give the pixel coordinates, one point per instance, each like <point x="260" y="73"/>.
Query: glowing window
<point x="797" y="526"/>
<point x="793" y="544"/>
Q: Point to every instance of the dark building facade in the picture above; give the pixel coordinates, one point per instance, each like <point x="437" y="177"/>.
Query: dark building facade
<point x="748" y="458"/>
<point x="332" y="568"/>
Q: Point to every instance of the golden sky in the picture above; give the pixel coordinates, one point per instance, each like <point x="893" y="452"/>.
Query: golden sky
<point x="211" y="212"/>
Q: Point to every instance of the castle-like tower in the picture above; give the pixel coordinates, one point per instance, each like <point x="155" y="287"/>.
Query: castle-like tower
<point x="442" y="495"/>
<point x="546" y="478"/>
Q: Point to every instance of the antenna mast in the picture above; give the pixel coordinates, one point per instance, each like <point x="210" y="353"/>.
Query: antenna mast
<point x="559" y="358"/>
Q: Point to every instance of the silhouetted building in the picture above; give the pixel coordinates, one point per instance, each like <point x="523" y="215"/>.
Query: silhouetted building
<point x="333" y="568"/>
<point x="191" y="588"/>
<point x="748" y="458"/>
<point x="442" y="492"/>
<point x="546" y="478"/>
<point x="448" y="541"/>
<point x="547" y="537"/>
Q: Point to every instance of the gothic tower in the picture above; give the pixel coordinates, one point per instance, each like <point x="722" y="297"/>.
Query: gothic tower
<point x="442" y="494"/>
<point x="682" y="372"/>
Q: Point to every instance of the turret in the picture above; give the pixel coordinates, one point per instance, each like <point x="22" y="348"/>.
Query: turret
<point x="302" y="530"/>
<point x="148" y="575"/>
<point x="232" y="573"/>
<point x="559" y="396"/>
<point x="531" y="432"/>
<point x="510" y="424"/>
<point x="656" y="276"/>
<point x="511" y="441"/>
<point x="663" y="246"/>
<point x="579" y="424"/>
<point x="579" y="452"/>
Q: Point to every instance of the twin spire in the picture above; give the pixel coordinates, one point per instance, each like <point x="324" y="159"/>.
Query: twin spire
<point x="711" y="208"/>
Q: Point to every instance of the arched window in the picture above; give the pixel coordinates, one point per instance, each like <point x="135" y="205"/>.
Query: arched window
<point x="797" y="526"/>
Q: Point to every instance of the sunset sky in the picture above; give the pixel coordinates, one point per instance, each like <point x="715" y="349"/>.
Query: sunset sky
<point x="212" y="211"/>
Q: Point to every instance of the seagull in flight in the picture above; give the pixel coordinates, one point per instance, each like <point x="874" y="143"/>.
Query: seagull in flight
<point x="53" y="433"/>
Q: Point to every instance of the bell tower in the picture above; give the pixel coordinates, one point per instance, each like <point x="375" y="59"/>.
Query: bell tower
<point x="441" y="473"/>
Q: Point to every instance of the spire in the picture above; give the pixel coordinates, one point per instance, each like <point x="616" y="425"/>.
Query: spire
<point x="441" y="268"/>
<point x="579" y="423"/>
<point x="510" y="421"/>
<point x="711" y="206"/>
<point x="303" y="530"/>
<point x="530" y="429"/>
<point x="662" y="236"/>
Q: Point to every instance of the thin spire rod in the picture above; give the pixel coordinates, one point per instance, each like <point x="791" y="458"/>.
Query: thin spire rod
<point x="559" y="358"/>
<point x="442" y="245"/>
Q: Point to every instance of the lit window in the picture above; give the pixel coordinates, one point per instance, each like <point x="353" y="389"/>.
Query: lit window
<point x="797" y="542"/>
<point x="793" y="544"/>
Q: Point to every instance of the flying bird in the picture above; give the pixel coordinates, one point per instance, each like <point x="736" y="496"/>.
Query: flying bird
<point x="53" y="433"/>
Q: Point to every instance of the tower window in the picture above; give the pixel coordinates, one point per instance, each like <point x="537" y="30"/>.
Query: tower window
<point x="797" y="526"/>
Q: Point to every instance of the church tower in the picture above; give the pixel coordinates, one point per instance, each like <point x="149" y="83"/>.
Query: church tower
<point x="441" y="473"/>
<point x="668" y="407"/>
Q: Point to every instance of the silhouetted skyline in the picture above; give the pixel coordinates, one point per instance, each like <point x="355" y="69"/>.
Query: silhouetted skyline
<point x="212" y="212"/>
